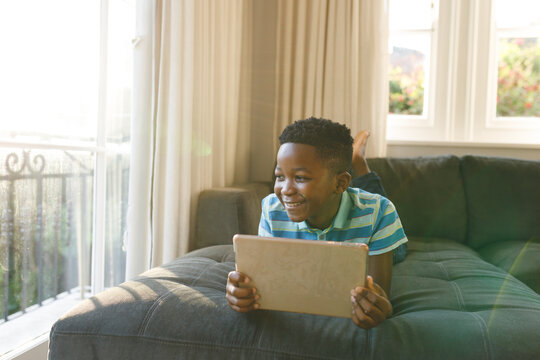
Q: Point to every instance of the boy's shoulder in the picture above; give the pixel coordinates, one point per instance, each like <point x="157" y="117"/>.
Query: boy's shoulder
<point x="362" y="198"/>
<point x="271" y="202"/>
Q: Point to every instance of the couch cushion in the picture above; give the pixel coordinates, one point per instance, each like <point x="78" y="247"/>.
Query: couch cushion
<point x="448" y="304"/>
<point x="520" y="259"/>
<point x="428" y="194"/>
<point x="503" y="199"/>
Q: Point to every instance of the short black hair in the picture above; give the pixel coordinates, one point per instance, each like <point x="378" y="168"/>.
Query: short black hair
<point x="332" y="141"/>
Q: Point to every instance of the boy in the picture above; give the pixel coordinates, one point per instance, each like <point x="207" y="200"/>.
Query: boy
<point x="312" y="200"/>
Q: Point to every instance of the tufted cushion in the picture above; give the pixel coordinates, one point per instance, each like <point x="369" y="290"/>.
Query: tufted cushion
<point x="448" y="304"/>
<point x="519" y="258"/>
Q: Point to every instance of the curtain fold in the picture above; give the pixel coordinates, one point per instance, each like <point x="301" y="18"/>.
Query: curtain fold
<point x="331" y="62"/>
<point x="199" y="126"/>
<point x="192" y="101"/>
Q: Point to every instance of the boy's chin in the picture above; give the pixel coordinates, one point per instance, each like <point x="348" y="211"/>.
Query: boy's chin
<point x="294" y="217"/>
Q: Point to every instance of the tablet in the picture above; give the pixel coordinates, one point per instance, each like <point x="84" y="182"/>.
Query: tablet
<point x="305" y="276"/>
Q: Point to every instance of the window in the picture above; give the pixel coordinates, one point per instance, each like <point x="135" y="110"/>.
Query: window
<point x="475" y="71"/>
<point x="518" y="59"/>
<point x="409" y="46"/>
<point x="65" y="100"/>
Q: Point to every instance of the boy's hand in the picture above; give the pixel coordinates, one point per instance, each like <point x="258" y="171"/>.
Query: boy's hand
<point x="240" y="299"/>
<point x="370" y="305"/>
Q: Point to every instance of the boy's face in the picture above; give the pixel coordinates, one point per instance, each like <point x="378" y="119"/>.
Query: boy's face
<point x="306" y="187"/>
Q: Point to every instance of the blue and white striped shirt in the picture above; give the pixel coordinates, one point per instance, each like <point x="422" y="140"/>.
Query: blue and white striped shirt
<point x="362" y="217"/>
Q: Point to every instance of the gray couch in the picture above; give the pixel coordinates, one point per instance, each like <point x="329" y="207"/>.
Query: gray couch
<point x="468" y="288"/>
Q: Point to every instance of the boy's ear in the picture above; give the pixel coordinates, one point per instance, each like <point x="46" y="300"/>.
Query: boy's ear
<point x="343" y="181"/>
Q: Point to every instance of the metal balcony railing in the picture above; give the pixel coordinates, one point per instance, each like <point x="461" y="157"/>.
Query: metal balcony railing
<point x="45" y="230"/>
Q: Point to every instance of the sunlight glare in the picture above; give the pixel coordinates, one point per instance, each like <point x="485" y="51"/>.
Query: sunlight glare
<point x="49" y="73"/>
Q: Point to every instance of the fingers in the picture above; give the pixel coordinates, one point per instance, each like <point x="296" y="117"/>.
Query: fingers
<point x="370" y="306"/>
<point x="375" y="295"/>
<point x="242" y="305"/>
<point x="236" y="278"/>
<point x="241" y="299"/>
<point x="361" y="319"/>
<point x="366" y="309"/>
<point x="239" y="292"/>
<point x="236" y="285"/>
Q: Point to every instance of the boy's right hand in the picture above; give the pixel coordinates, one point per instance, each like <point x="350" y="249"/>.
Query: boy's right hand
<point x="241" y="299"/>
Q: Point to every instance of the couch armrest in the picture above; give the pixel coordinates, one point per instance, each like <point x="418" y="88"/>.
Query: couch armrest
<point x="224" y="212"/>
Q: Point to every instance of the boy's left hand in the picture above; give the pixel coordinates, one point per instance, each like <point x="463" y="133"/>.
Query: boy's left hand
<point x="370" y="305"/>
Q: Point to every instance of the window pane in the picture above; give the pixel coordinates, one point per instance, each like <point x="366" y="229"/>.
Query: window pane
<point x="409" y="63"/>
<point x="518" y="76"/>
<point x="115" y="219"/>
<point x="518" y="92"/>
<point x="411" y="26"/>
<point x="411" y="14"/>
<point x="517" y="13"/>
<point x="45" y="225"/>
<point x="49" y="69"/>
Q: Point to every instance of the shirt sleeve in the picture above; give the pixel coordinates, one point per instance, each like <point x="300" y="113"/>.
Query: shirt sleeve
<point x="388" y="232"/>
<point x="264" y="225"/>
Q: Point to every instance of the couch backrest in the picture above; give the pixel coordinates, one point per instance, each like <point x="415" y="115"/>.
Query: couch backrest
<point x="224" y="212"/>
<point x="503" y="199"/>
<point x="473" y="200"/>
<point x="428" y="193"/>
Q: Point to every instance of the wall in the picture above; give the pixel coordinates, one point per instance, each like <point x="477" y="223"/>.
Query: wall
<point x="408" y="149"/>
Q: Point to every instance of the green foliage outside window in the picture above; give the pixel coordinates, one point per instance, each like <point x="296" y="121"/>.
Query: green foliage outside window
<point x="406" y="91"/>
<point x="518" y="92"/>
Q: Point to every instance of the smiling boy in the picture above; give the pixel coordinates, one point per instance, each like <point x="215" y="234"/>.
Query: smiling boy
<point x="312" y="200"/>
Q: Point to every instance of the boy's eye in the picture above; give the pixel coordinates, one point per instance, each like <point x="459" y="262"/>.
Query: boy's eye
<point x="301" y="178"/>
<point x="279" y="177"/>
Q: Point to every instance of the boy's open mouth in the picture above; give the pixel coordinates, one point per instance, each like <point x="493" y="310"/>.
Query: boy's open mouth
<point x="291" y="205"/>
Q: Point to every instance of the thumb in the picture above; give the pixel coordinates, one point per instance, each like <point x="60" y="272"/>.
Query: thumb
<point x="373" y="286"/>
<point x="369" y="282"/>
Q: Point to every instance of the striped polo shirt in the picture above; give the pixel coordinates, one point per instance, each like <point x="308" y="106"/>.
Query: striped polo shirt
<point x="362" y="217"/>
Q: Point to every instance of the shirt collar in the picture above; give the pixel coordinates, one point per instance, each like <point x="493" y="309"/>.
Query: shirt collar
<point x="343" y="212"/>
<point x="341" y="217"/>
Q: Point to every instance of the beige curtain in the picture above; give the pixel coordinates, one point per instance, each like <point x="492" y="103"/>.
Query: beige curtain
<point x="331" y="61"/>
<point x="199" y="130"/>
<point x="192" y="99"/>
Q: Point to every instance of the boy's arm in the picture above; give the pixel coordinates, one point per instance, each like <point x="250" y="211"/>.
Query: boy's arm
<point x="380" y="268"/>
<point x="371" y="304"/>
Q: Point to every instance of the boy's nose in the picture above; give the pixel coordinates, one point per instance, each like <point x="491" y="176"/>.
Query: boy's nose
<point x="287" y="188"/>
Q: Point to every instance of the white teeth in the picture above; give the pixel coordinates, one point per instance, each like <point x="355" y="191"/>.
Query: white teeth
<point x="293" y="204"/>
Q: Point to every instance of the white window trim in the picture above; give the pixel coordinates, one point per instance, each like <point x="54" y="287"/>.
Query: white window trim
<point x="25" y="331"/>
<point x="462" y="107"/>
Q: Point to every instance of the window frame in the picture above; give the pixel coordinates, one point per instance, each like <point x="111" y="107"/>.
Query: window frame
<point x="464" y="77"/>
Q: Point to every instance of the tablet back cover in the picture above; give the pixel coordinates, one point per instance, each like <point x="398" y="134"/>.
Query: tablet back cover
<point x="304" y="276"/>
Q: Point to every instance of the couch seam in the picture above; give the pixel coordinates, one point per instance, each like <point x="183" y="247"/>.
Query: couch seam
<point x="202" y="272"/>
<point x="459" y="296"/>
<point x="483" y="328"/>
<point x="150" y="313"/>
<point x="455" y="286"/>
<point x="159" y="300"/>
<point x="462" y="160"/>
